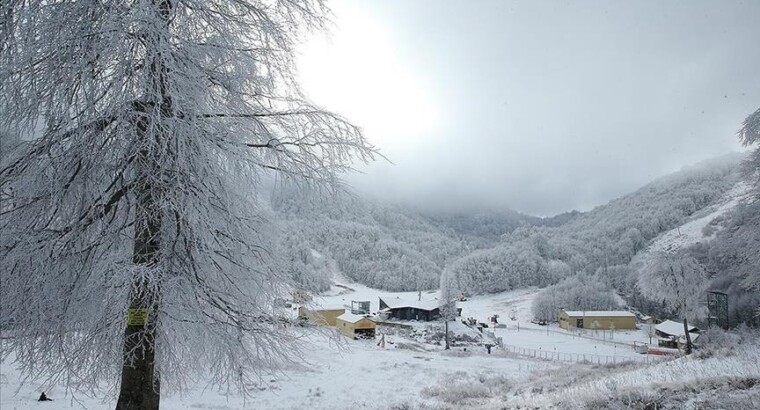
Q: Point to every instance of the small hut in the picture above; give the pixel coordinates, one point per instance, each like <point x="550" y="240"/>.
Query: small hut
<point x="397" y="308"/>
<point x="355" y="326"/>
<point x="671" y="334"/>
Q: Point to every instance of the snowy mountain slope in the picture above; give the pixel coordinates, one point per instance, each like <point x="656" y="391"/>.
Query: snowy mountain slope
<point x="400" y="249"/>
<point x="723" y="238"/>
<point x="605" y="237"/>
<point x="703" y="225"/>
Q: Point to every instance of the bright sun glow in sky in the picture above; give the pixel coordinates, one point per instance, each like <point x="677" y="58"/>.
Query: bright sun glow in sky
<point x="541" y="107"/>
<point x="354" y="71"/>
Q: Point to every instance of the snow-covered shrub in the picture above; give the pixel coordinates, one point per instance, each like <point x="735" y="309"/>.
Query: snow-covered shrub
<point x="463" y="389"/>
<point x="412" y="406"/>
<point x="720" y="343"/>
<point x="456" y="352"/>
<point x="713" y="393"/>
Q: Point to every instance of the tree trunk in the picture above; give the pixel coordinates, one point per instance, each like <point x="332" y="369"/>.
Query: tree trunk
<point x="446" y="320"/>
<point x="140" y="384"/>
<point x="687" y="348"/>
<point x="140" y="387"/>
<point x="140" y="381"/>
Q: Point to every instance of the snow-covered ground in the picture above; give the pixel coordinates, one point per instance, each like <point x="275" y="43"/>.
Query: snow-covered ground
<point x="359" y="374"/>
<point x="687" y="370"/>
<point x="521" y="333"/>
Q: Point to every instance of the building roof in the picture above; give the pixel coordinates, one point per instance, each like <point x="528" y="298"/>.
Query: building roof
<point x="351" y="318"/>
<point x="396" y="303"/>
<point x="318" y="309"/>
<point x="600" y="313"/>
<point x="672" y="328"/>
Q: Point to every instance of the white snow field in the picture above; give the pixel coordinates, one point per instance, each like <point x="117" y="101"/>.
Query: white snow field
<point x="359" y="374"/>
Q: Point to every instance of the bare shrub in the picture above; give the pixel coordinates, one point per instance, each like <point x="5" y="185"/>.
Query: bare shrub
<point x="461" y="389"/>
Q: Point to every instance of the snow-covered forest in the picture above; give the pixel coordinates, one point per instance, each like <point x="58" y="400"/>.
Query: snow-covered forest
<point x="182" y="223"/>
<point x="402" y="249"/>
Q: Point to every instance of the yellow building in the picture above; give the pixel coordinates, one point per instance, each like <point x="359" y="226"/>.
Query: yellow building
<point x="355" y="326"/>
<point x="597" y="319"/>
<point x="324" y="317"/>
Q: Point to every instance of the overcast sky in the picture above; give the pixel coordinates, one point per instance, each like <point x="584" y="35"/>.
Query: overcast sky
<point x="541" y="107"/>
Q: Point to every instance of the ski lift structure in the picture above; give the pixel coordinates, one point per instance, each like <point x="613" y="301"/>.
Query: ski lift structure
<point x="717" y="307"/>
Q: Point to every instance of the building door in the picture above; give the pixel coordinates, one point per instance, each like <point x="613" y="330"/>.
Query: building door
<point x="579" y="323"/>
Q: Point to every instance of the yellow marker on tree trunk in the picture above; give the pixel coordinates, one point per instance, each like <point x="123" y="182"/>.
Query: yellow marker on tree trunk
<point x="137" y="316"/>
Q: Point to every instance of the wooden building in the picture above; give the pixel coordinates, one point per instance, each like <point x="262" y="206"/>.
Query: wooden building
<point x="323" y="317"/>
<point x="397" y="308"/>
<point x="671" y="334"/>
<point x="355" y="326"/>
<point x="597" y="319"/>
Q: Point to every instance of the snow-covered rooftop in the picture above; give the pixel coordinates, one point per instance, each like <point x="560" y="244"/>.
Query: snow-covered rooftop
<point x="672" y="328"/>
<point x="351" y="318"/>
<point x="326" y="306"/>
<point x="600" y="313"/>
<point x="395" y="303"/>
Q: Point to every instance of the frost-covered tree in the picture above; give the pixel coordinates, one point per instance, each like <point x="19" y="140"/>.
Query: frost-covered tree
<point x="498" y="269"/>
<point x="678" y="280"/>
<point x="749" y="134"/>
<point x="734" y="255"/>
<point x="448" y="306"/>
<point x="131" y="251"/>
<point x="579" y="292"/>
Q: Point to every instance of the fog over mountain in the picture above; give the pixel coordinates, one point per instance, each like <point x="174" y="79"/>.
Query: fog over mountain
<point x="541" y="107"/>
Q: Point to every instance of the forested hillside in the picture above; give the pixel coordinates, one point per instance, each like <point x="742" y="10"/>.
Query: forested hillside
<point x="732" y="260"/>
<point x="600" y="242"/>
<point x="395" y="248"/>
<point x="481" y="229"/>
<point x="382" y="246"/>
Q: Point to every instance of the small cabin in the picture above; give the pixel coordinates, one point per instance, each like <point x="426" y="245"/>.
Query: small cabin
<point x="355" y="326"/>
<point x="397" y="308"/>
<point x="671" y="334"/>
